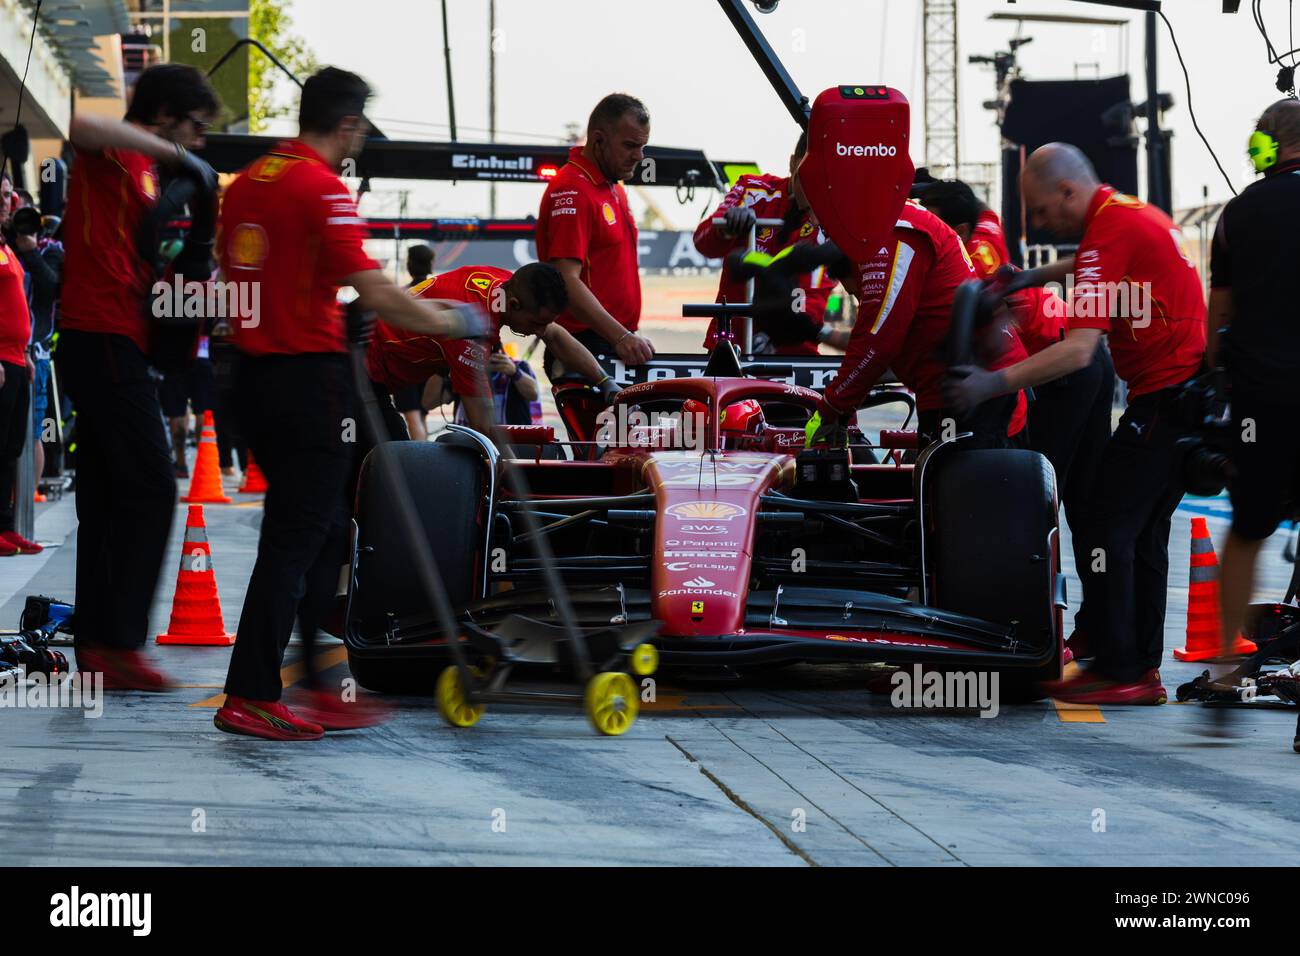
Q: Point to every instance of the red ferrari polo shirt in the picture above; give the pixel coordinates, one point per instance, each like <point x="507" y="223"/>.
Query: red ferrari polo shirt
<point x="398" y="358"/>
<point x="1132" y="260"/>
<point x="105" y="281"/>
<point x="290" y="225"/>
<point x="15" y="318"/>
<point x="584" y="216"/>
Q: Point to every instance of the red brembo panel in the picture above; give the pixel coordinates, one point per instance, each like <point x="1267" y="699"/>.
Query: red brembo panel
<point x="857" y="172"/>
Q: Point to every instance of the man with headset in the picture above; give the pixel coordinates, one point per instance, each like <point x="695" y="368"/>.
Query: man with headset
<point x="1252" y="293"/>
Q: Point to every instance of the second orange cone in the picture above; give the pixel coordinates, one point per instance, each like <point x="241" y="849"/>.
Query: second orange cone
<point x="1203" y="621"/>
<point x="254" y="480"/>
<point x="205" y="486"/>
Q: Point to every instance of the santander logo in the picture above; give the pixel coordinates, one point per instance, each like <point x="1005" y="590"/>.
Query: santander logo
<point x="880" y="149"/>
<point x="697" y="582"/>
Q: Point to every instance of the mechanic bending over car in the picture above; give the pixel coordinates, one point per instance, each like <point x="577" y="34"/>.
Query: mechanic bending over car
<point x="295" y="392"/>
<point x="1069" y="418"/>
<point x="1253" y="294"/>
<point x="586" y="231"/>
<point x="768" y="197"/>
<point x="1135" y="281"/>
<point x="527" y="302"/>
<point x="905" y="296"/>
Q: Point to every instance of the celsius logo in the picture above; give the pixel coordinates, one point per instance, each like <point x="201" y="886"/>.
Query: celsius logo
<point x="879" y="149"/>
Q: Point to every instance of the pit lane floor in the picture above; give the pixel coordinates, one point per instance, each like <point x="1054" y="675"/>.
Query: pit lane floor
<point x="802" y="766"/>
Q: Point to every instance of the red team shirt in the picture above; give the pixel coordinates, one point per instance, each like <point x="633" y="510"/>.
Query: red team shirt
<point x="1125" y="242"/>
<point x="15" y="319"/>
<point x="398" y="358"/>
<point x="584" y="216"/>
<point x="289" y="223"/>
<point x="770" y="198"/>
<point x="905" y="309"/>
<point x="105" y="281"/>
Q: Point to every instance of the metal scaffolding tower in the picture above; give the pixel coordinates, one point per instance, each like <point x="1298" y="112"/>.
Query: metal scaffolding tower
<point x="939" y="29"/>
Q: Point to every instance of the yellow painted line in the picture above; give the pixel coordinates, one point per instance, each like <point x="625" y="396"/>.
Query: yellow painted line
<point x="291" y="674"/>
<point x="669" y="703"/>
<point x="1078" y="713"/>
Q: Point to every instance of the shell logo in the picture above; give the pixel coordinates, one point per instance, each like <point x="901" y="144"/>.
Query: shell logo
<point x="710" y="510"/>
<point x="149" y="184"/>
<point x="607" y="211"/>
<point x="248" y="246"/>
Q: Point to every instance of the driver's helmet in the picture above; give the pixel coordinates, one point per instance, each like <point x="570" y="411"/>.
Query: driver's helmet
<point x="743" y="418"/>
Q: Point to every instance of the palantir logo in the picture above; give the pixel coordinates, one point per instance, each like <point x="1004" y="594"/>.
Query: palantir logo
<point x="77" y="909"/>
<point x="880" y="149"/>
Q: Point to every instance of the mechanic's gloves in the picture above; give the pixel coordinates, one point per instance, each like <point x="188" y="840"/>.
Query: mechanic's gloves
<point x="738" y="221"/>
<point x="359" y="322"/>
<point x="608" y="389"/>
<point x="196" y="169"/>
<point x="827" y="428"/>
<point x="467" y="321"/>
<point x="968" y="386"/>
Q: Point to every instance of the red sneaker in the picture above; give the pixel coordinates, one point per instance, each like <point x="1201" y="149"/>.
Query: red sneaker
<point x="7" y="549"/>
<point x="1079" y="645"/>
<point x="122" y="670"/>
<point x="1088" y="688"/>
<point x="331" y="712"/>
<point x="1067" y="655"/>
<point x="268" y="719"/>
<point x="20" y="544"/>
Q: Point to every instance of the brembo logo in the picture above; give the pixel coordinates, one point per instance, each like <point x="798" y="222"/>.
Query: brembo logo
<point x="879" y="149"/>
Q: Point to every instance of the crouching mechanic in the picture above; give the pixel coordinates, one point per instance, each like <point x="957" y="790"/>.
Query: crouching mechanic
<point x="289" y="227"/>
<point x="527" y="302"/>
<point x="768" y="197"/>
<point x="1135" y="281"/>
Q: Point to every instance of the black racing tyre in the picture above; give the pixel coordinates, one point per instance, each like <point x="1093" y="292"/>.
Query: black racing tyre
<point x="446" y="483"/>
<point x="992" y="549"/>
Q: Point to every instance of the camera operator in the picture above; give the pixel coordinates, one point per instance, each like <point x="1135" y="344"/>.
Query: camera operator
<point x="1253" y="293"/>
<point x="1137" y="284"/>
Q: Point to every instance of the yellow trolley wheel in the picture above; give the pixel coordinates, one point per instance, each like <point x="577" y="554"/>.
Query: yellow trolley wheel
<point x="645" y="660"/>
<point x="452" y="700"/>
<point x="611" y="703"/>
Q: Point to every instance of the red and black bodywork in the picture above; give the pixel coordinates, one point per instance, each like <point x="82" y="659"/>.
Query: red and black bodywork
<point x="743" y="546"/>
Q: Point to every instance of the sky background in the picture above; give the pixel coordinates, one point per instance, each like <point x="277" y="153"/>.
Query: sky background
<point x="557" y="58"/>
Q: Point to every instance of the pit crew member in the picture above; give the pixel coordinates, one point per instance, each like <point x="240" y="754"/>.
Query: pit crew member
<point x="585" y="230"/>
<point x="527" y="302"/>
<point x="1135" y="281"/>
<point x="126" y="489"/>
<point x="289" y="224"/>
<point x="905" y="298"/>
<point x="767" y="197"/>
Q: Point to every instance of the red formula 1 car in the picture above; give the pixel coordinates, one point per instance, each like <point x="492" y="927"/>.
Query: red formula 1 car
<point x="691" y="502"/>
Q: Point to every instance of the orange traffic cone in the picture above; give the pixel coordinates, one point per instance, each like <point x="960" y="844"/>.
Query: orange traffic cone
<point x="205" y="486"/>
<point x="1203" y="622"/>
<point x="196" y="609"/>
<point x="254" y="480"/>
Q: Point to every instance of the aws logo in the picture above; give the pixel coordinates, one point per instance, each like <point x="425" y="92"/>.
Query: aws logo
<point x="607" y="211"/>
<point x="271" y="168"/>
<point x="248" y="246"/>
<point x="480" y="282"/>
<point x="706" y="511"/>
